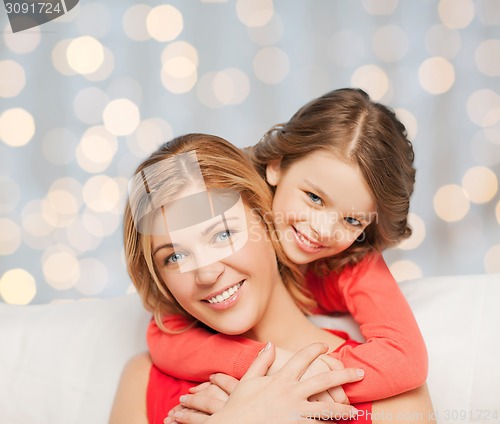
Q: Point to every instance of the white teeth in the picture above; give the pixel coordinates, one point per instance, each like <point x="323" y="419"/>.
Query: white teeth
<point x="305" y="241"/>
<point x="226" y="294"/>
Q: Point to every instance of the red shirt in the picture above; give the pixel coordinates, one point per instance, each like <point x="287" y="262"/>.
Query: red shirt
<point x="394" y="356"/>
<point x="163" y="392"/>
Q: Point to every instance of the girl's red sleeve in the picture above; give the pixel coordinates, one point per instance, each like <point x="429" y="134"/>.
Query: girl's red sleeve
<point x="394" y="356"/>
<point x="197" y="353"/>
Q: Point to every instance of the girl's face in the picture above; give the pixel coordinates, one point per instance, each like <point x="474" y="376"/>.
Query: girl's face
<point x="231" y="293"/>
<point x="321" y="205"/>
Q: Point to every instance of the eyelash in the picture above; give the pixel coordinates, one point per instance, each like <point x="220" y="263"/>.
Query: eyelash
<point x="316" y="197"/>
<point x="349" y="219"/>
<point x="169" y="262"/>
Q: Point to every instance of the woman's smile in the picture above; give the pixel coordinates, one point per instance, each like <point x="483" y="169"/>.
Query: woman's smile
<point x="225" y="298"/>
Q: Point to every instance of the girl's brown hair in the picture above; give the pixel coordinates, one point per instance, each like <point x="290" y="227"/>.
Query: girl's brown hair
<point x="361" y="132"/>
<point x="222" y="166"/>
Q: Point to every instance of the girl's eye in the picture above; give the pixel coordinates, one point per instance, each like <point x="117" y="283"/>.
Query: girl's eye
<point x="315" y="198"/>
<point x="174" y="258"/>
<point x="353" y="221"/>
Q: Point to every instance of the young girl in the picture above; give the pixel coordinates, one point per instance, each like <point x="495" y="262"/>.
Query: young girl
<point x="181" y="257"/>
<point x="342" y="175"/>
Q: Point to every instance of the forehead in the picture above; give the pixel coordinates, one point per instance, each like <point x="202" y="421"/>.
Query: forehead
<point x="342" y="181"/>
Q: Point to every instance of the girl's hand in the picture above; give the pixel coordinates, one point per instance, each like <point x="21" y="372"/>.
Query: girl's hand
<point x="203" y="400"/>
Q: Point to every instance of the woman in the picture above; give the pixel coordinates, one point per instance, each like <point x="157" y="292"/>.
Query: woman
<point x="224" y="269"/>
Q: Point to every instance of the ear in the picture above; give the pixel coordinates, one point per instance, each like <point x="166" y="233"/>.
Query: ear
<point x="273" y="171"/>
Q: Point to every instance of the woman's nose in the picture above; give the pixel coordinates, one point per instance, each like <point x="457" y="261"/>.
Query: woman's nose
<point x="209" y="274"/>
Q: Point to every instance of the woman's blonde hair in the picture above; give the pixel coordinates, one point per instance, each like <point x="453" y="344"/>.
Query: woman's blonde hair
<point x="358" y="131"/>
<point x="222" y="166"/>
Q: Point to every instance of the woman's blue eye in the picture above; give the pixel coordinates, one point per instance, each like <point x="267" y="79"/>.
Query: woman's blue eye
<point x="353" y="221"/>
<point x="222" y="236"/>
<point x="316" y="199"/>
<point x="174" y="258"/>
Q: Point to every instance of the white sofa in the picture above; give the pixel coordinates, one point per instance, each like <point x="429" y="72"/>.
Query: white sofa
<point x="60" y="363"/>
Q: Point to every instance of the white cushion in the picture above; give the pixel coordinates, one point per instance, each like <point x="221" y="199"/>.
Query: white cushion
<point x="60" y="363"/>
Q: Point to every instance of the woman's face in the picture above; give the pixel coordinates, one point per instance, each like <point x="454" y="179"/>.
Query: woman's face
<point x="221" y="271"/>
<point x="321" y="206"/>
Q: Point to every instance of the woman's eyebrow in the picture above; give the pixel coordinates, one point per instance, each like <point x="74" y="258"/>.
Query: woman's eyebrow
<point x="222" y="220"/>
<point x="164" y="246"/>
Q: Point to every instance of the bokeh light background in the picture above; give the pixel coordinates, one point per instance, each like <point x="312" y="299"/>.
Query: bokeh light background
<point x="86" y="97"/>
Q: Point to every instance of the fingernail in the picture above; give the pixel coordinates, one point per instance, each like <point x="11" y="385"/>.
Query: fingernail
<point x="183" y="398"/>
<point x="178" y="414"/>
<point x="354" y="412"/>
<point x="266" y="347"/>
<point x="360" y="372"/>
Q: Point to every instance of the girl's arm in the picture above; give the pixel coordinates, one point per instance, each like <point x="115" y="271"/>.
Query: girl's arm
<point x="197" y="353"/>
<point x="394" y="356"/>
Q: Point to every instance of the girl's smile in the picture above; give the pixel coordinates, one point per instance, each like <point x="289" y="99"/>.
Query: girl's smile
<point x="321" y="205"/>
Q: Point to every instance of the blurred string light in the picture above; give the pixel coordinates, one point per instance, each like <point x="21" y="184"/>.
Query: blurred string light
<point x="164" y="23"/>
<point x="17" y="127"/>
<point x="60" y="267"/>
<point x="483" y="107"/>
<point x="17" y="287"/>
<point x="456" y="13"/>
<point x="134" y="22"/>
<point x="22" y="42"/>
<point x="487" y="57"/>
<point x="97" y="148"/>
<point x="179" y="71"/>
<point x="451" y="203"/>
<point x="480" y="183"/>
<point x="121" y="117"/>
<point x="417" y="225"/>
<point x="13" y="78"/>
<point x="227" y="87"/>
<point x="409" y="121"/>
<point x="372" y="79"/>
<point x="254" y="13"/>
<point x="148" y="136"/>
<point x="436" y="75"/>
<point x="405" y="270"/>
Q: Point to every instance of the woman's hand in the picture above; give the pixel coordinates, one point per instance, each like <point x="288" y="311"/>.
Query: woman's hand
<point x="321" y="364"/>
<point x="281" y="398"/>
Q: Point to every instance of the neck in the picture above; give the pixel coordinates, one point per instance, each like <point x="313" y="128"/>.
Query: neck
<point x="285" y="325"/>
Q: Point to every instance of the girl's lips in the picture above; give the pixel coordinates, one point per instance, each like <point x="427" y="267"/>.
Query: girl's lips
<point x="305" y="244"/>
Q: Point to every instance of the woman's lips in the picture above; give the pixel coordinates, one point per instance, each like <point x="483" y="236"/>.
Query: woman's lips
<point x="226" y="298"/>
